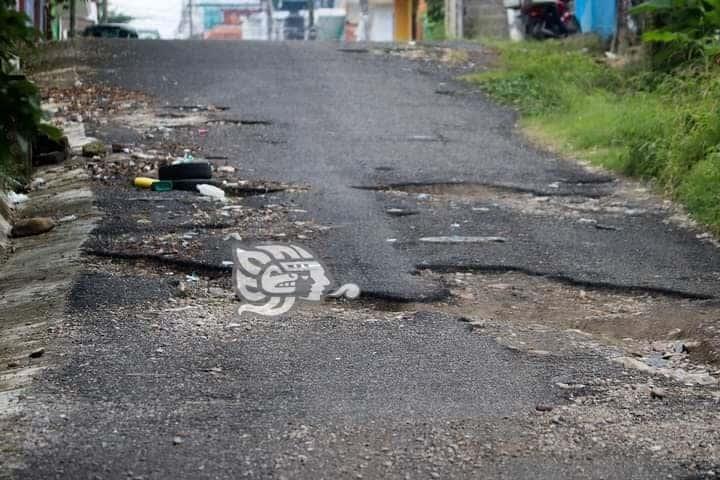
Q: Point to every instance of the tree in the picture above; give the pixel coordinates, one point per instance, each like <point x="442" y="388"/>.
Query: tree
<point x="681" y="30"/>
<point x="622" y="38"/>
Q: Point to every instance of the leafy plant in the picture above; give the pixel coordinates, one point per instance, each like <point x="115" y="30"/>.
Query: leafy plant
<point x="683" y="30"/>
<point x="21" y="117"/>
<point x="663" y="126"/>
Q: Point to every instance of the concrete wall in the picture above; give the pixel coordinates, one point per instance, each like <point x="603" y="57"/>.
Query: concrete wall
<point x="382" y="21"/>
<point x="485" y="18"/>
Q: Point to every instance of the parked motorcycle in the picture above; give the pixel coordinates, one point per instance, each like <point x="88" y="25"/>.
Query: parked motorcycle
<point x="549" y="19"/>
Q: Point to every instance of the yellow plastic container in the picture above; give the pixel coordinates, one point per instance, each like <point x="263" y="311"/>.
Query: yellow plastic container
<point x="144" y="182"/>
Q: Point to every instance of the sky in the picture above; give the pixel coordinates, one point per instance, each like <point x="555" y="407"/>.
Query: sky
<point x="161" y="15"/>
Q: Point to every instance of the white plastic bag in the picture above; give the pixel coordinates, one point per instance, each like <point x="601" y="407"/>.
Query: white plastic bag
<point x="211" y="191"/>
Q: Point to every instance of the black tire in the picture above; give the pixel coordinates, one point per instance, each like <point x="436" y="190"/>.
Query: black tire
<point x="573" y="26"/>
<point x="190" y="184"/>
<point x="534" y="29"/>
<point x="183" y="171"/>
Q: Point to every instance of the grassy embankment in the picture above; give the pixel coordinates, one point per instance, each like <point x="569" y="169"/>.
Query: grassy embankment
<point x="659" y="126"/>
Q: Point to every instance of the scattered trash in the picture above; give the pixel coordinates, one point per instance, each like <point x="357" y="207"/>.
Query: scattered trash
<point x="68" y="218"/>
<point x="142" y="156"/>
<point x="32" y="226"/>
<point x="226" y="169"/>
<point x="190" y="185"/>
<point x="162" y="186"/>
<point x="186" y="158"/>
<point x="185" y="171"/>
<point x="17" y="198"/>
<point x="181" y="290"/>
<point x="37" y="182"/>
<point x="658" y="393"/>
<point x="37" y="353"/>
<point x="211" y="191"/>
<point x="94" y="149"/>
<point x="144" y="182"/>
<point x="192" y="278"/>
<point x="119" y="148"/>
<point x="424" y="196"/>
<point x="601" y="226"/>
<point x="227" y="263"/>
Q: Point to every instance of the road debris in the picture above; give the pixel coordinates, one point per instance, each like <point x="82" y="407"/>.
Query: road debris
<point x="32" y="226"/>
<point x="94" y="149"/>
<point x="37" y="353"/>
<point x="211" y="191"/>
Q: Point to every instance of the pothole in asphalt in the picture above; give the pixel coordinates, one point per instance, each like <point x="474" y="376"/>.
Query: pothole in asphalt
<point x="581" y="206"/>
<point x="400" y="212"/>
<point x="445" y="91"/>
<point x="242" y="122"/>
<point x="253" y="190"/>
<point x="473" y="190"/>
<point x="453" y="239"/>
<point x="670" y="331"/>
<point x="198" y="108"/>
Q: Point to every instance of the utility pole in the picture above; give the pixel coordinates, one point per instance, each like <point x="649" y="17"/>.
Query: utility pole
<point x="105" y="10"/>
<point x="311" y="20"/>
<point x="190" y="17"/>
<point x="71" y="29"/>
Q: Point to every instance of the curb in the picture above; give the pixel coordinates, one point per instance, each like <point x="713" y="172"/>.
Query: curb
<point x="35" y="282"/>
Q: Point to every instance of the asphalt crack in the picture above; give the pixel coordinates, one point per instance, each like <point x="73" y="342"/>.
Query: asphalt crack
<point x="565" y="279"/>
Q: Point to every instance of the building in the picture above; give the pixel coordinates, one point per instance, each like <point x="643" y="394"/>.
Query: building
<point x="484" y="18"/>
<point x="389" y="20"/>
<point x="38" y="13"/>
<point x="52" y="19"/>
<point x="86" y="14"/>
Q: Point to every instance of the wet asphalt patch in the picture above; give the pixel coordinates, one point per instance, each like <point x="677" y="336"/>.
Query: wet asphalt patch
<point x="94" y="292"/>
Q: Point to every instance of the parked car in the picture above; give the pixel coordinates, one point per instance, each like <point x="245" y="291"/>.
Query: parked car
<point x="148" y="34"/>
<point x="110" y="30"/>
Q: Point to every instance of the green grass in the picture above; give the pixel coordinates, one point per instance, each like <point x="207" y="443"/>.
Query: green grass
<point x="659" y="126"/>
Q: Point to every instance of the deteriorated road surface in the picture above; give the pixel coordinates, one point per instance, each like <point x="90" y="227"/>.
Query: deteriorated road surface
<point x="399" y="162"/>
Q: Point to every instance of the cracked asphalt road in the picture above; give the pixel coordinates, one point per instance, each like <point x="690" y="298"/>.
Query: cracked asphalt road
<point x="145" y="387"/>
<point x="352" y="119"/>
